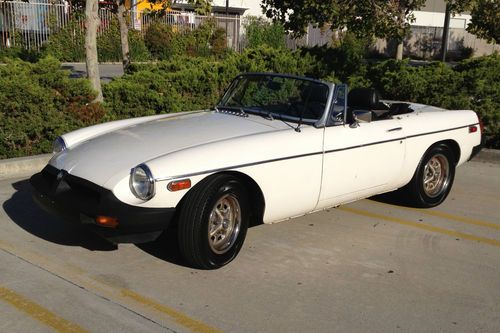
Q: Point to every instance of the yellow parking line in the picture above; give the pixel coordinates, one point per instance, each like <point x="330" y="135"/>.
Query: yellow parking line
<point x="423" y="226"/>
<point x="445" y="216"/>
<point x="122" y="296"/>
<point x="38" y="312"/>
<point x="178" y="317"/>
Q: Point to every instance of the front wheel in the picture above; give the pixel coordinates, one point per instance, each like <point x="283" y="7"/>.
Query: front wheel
<point x="213" y="222"/>
<point x="433" y="178"/>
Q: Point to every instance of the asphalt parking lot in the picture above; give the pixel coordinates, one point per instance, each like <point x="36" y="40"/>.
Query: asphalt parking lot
<point x="370" y="266"/>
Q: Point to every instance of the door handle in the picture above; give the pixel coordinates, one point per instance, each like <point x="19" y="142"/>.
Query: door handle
<point x="395" y="129"/>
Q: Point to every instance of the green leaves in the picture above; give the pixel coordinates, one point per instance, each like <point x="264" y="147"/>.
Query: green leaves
<point x="378" y="18"/>
<point x="485" y="22"/>
<point x="39" y="102"/>
<point x="260" y="32"/>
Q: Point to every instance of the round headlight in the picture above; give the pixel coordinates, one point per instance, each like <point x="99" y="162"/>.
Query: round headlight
<point x="58" y="145"/>
<point x="142" y="183"/>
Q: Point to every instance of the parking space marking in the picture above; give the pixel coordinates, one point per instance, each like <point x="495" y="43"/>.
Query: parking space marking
<point x="180" y="318"/>
<point x="38" y="312"/>
<point x="443" y="215"/>
<point x="126" y="298"/>
<point x="423" y="226"/>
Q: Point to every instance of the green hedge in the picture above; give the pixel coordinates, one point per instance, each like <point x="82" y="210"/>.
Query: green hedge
<point x="163" y="42"/>
<point x="188" y="83"/>
<point x="473" y="84"/>
<point x="37" y="103"/>
<point x="68" y="44"/>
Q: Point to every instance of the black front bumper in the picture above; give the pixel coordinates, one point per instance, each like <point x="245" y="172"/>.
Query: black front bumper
<point x="80" y="201"/>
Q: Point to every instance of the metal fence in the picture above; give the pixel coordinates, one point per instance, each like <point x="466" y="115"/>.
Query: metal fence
<point x="29" y="25"/>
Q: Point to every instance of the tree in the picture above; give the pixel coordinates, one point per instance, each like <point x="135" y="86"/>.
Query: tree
<point x="379" y="18"/>
<point x="121" y="12"/>
<point x="485" y="22"/>
<point x="91" y="24"/>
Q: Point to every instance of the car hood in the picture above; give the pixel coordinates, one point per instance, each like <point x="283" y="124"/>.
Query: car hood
<point x="114" y="154"/>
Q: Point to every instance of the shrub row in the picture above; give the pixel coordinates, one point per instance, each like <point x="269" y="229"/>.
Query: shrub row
<point x="188" y="83"/>
<point x="160" y="41"/>
<point x="473" y="84"/>
<point x="39" y="101"/>
<point x="166" y="41"/>
<point x="68" y="44"/>
<point x="193" y="83"/>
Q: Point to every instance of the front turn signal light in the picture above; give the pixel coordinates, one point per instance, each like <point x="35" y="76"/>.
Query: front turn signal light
<point x="106" y="221"/>
<point x="179" y="185"/>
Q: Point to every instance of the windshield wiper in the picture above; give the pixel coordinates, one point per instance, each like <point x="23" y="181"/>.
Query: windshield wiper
<point x="301" y="116"/>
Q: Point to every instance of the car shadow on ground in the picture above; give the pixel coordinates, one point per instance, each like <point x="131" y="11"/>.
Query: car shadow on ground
<point x="166" y="247"/>
<point x="395" y="198"/>
<point x="24" y="212"/>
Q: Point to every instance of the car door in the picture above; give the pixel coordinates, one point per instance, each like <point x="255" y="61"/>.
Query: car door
<point x="360" y="159"/>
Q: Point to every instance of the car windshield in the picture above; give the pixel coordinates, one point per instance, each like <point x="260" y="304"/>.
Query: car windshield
<point x="274" y="96"/>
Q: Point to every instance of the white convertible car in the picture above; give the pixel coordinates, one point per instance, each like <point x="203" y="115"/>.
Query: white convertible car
<point x="275" y="147"/>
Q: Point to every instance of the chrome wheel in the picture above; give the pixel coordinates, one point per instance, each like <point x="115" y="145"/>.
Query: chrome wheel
<point x="436" y="175"/>
<point x="224" y="224"/>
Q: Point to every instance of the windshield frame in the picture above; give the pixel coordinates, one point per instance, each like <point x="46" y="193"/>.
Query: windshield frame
<point x="321" y="122"/>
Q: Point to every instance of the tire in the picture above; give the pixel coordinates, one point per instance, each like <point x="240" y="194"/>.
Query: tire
<point x="433" y="178"/>
<point x="213" y="222"/>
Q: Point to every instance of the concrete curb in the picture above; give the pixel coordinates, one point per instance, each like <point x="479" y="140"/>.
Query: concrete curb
<point x="26" y="166"/>
<point x="23" y="166"/>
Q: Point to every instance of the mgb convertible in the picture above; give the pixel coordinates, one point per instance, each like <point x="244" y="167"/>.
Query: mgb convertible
<point x="275" y="147"/>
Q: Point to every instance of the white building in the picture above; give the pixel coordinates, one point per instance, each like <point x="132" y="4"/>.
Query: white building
<point x="432" y="15"/>
<point x="252" y="7"/>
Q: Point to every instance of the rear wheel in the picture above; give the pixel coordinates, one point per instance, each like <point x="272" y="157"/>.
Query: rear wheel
<point x="213" y="222"/>
<point x="433" y="178"/>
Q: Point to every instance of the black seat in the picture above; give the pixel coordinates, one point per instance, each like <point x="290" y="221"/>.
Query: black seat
<point x="361" y="99"/>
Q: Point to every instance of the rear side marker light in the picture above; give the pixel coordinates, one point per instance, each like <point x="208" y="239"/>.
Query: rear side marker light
<point x="473" y="129"/>
<point x="179" y="185"/>
<point x="106" y="221"/>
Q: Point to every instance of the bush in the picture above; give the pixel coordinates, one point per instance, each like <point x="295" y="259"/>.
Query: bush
<point x="481" y="80"/>
<point x="344" y="60"/>
<point x="38" y="102"/>
<point x="260" y="32"/>
<point x="473" y="84"/>
<point x="188" y="83"/>
<point x="68" y="44"/>
<point x="164" y="41"/>
<point x="19" y="48"/>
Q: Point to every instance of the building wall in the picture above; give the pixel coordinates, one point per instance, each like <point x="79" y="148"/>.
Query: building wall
<point x="253" y="6"/>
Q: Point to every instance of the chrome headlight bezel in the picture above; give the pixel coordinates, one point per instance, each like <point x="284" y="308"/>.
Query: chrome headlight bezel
<point x="58" y="145"/>
<point x="142" y="183"/>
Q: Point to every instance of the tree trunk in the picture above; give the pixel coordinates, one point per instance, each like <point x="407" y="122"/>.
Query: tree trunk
<point x="120" y="14"/>
<point x="399" y="51"/>
<point x="91" y="24"/>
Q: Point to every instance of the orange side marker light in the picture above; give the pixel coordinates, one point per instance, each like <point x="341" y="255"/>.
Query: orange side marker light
<point x="179" y="185"/>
